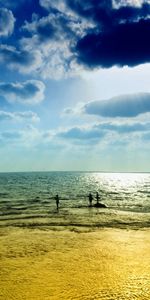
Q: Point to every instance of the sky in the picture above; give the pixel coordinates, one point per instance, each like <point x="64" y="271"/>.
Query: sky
<point x="75" y="85"/>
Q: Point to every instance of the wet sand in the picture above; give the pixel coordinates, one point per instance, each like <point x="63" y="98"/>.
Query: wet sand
<point x="74" y="264"/>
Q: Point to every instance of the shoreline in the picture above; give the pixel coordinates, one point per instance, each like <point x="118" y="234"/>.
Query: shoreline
<point x="106" y="263"/>
<point x="89" y="218"/>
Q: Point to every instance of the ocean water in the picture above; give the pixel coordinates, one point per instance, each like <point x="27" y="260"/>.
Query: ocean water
<point x="27" y="200"/>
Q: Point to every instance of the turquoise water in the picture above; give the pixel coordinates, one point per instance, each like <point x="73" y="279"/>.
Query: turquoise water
<point x="27" y="199"/>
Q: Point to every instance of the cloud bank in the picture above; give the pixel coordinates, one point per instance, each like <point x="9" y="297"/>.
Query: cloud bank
<point x="100" y="135"/>
<point x="104" y="130"/>
<point x="125" y="106"/>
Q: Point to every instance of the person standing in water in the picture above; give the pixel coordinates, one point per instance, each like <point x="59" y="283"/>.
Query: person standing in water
<point x="57" y="201"/>
<point x="97" y="198"/>
<point x="90" y="199"/>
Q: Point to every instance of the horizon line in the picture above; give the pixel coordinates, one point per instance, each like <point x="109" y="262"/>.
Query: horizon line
<point x="76" y="171"/>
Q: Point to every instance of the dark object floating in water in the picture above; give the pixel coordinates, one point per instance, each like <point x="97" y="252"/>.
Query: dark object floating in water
<point x="100" y="205"/>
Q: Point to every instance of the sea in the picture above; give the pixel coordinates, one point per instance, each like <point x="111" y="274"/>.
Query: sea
<point x="27" y="200"/>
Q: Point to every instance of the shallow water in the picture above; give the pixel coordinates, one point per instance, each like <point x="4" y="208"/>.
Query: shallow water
<point x="27" y="199"/>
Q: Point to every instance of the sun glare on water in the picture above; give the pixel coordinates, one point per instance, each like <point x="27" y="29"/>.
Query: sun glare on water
<point x="123" y="180"/>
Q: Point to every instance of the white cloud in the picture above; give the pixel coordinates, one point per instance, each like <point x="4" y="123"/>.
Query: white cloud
<point x="117" y="135"/>
<point x="136" y="3"/>
<point x="7" y="22"/>
<point x="60" y="5"/>
<point x="54" y="36"/>
<point x="27" y="116"/>
<point x="20" y="59"/>
<point x="19" y="116"/>
<point x="29" y="137"/>
<point x="100" y="130"/>
<point x="28" y="92"/>
<point x="47" y="50"/>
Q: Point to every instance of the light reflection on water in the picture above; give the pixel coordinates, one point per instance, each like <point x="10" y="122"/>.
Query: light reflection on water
<point x="28" y="195"/>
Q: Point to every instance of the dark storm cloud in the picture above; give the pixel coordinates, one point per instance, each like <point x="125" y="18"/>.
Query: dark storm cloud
<point x="123" y="106"/>
<point x="120" y="36"/>
<point x="126" y="44"/>
<point x="104" y="13"/>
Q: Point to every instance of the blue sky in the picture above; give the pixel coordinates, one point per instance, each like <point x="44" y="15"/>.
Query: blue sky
<point x="74" y="85"/>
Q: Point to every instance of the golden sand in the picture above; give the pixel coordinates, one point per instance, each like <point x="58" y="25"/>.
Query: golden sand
<point x="55" y="265"/>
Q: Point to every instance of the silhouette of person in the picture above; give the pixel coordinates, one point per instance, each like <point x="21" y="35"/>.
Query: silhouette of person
<point x="57" y="201"/>
<point x="97" y="198"/>
<point x="90" y="199"/>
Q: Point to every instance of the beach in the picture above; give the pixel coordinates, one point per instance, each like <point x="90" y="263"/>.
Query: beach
<point x="74" y="263"/>
<point x="76" y="251"/>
